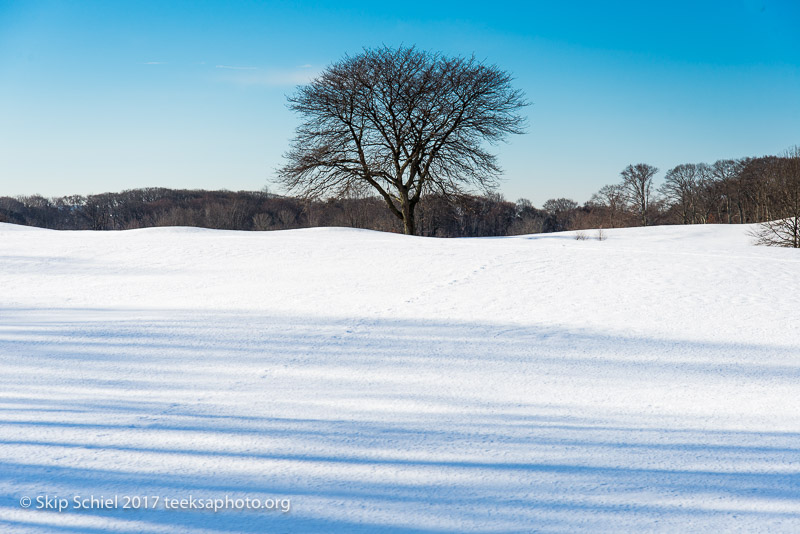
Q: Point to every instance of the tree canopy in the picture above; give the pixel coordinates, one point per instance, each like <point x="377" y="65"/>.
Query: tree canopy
<point x="403" y="122"/>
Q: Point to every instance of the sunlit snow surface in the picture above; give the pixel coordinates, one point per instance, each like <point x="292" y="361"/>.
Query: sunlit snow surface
<point x="382" y="383"/>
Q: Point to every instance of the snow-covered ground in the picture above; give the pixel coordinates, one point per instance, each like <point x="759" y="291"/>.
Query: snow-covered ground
<point x="383" y="383"/>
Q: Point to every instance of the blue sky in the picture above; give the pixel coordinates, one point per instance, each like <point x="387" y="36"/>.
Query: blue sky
<point x="104" y="96"/>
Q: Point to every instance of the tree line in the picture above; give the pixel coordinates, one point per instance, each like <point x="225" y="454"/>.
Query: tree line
<point x="731" y="191"/>
<point x="746" y="190"/>
<point x="466" y="215"/>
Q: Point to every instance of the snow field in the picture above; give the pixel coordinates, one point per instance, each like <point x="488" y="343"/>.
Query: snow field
<point x="648" y="382"/>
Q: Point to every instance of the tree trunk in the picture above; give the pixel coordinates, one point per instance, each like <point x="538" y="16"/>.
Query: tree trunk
<point x="409" y="224"/>
<point x="796" y="231"/>
<point x="643" y="193"/>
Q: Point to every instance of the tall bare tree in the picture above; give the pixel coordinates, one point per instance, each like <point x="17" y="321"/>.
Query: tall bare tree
<point x="726" y="172"/>
<point x="403" y="122"/>
<point x="638" y="183"/>
<point x="680" y="187"/>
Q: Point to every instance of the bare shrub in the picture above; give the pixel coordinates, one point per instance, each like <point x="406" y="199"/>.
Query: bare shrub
<point x="780" y="233"/>
<point x="785" y="231"/>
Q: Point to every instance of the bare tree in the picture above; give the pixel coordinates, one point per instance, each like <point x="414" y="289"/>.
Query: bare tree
<point x="262" y="221"/>
<point x="638" y="183"/>
<point x="708" y="196"/>
<point x="404" y="122"/>
<point x="559" y="205"/>
<point x="726" y="172"/>
<point x="560" y="213"/>
<point x="612" y="199"/>
<point x="680" y="187"/>
<point x="527" y="220"/>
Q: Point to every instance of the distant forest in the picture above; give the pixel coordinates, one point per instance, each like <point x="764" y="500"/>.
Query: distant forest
<point x="745" y="190"/>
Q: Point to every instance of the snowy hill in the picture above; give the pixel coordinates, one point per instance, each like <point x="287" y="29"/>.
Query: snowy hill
<point x="384" y="383"/>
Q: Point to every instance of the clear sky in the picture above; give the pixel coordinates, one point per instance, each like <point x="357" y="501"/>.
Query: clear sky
<point x="104" y="96"/>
